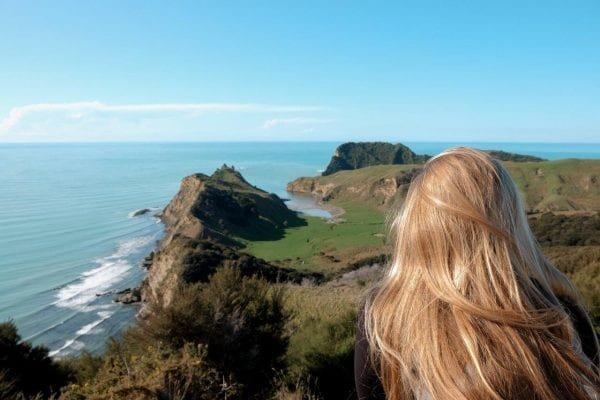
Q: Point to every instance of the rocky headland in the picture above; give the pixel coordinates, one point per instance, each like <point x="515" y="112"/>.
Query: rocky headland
<point x="206" y="224"/>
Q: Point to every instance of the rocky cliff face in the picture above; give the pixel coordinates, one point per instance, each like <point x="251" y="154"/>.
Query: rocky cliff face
<point x="177" y="216"/>
<point x="206" y="223"/>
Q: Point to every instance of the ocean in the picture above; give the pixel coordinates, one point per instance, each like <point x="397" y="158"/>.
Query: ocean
<point x="69" y="240"/>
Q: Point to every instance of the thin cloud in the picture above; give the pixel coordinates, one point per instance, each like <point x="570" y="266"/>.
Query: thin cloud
<point x="80" y="109"/>
<point x="275" y="122"/>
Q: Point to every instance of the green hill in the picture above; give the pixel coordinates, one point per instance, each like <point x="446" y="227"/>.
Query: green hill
<point x="561" y="185"/>
<point x="225" y="207"/>
<point x="351" y="156"/>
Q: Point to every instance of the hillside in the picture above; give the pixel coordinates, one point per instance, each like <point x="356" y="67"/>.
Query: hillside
<point x="561" y="185"/>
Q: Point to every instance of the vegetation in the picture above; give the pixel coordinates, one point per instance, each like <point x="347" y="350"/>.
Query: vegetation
<point x="563" y="230"/>
<point x="326" y="247"/>
<point x="198" y="259"/>
<point x="352" y="155"/>
<point x="26" y="371"/>
<point x="224" y="205"/>
<point x="547" y="186"/>
<point x="506" y="156"/>
<point x="221" y="339"/>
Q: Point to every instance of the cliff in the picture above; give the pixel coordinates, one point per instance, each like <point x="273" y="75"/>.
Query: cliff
<point x="206" y="225"/>
<point x="225" y="207"/>
<point x="351" y="156"/>
<point x="560" y="185"/>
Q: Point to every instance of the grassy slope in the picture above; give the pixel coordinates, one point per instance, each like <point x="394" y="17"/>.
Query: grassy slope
<point x="570" y="183"/>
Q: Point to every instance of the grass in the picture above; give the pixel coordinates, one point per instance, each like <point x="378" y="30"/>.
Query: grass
<point x="326" y="247"/>
<point x="560" y="184"/>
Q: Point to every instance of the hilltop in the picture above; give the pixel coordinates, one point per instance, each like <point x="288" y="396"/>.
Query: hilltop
<point x="356" y="155"/>
<point x="351" y="155"/>
<point x="224" y="207"/>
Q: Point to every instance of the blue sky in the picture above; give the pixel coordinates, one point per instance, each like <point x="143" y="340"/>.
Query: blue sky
<point x="301" y="70"/>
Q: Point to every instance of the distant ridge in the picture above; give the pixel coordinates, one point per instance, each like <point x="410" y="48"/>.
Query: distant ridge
<point x="356" y="155"/>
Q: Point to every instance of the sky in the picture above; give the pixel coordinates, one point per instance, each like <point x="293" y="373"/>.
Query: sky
<point x="479" y="71"/>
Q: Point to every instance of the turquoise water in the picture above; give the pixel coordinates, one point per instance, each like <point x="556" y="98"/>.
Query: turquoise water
<point x="67" y="238"/>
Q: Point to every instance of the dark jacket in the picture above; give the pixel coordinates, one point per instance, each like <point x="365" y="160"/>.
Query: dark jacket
<point x="368" y="386"/>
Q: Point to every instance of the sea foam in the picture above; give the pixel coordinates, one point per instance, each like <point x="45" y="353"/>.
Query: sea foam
<point x="111" y="270"/>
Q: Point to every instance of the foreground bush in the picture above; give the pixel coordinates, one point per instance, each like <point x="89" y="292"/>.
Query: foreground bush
<point x="241" y="320"/>
<point x="158" y="373"/>
<point x="26" y="371"/>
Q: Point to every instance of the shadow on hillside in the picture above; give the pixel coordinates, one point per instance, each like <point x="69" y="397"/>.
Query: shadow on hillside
<point x="246" y="215"/>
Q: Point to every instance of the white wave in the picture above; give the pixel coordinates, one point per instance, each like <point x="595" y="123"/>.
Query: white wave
<point x="86" y="329"/>
<point x="320" y="171"/>
<point x="130" y="246"/>
<point x="98" y="280"/>
<point x="112" y="269"/>
<point x="72" y="344"/>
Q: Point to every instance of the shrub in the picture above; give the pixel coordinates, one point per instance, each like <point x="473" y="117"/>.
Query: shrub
<point x="26" y="371"/>
<point x="324" y="356"/>
<point x="240" y="319"/>
<point x="156" y="374"/>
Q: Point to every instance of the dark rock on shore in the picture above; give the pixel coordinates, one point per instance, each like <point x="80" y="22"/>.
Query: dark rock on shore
<point x="128" y="296"/>
<point x="140" y="212"/>
<point x="147" y="262"/>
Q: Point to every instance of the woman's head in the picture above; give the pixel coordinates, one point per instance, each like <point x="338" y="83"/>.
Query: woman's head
<point x="469" y="293"/>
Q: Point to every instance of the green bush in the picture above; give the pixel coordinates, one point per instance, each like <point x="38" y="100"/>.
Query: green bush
<point x="26" y="371"/>
<point x="323" y="355"/>
<point x="156" y="374"/>
<point x="241" y="320"/>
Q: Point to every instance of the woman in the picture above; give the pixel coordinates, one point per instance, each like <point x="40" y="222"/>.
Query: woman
<point x="469" y="307"/>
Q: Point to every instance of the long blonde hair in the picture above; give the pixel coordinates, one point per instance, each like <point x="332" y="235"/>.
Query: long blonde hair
<point x="469" y="307"/>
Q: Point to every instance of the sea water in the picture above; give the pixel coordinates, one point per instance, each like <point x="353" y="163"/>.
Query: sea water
<point x="69" y="240"/>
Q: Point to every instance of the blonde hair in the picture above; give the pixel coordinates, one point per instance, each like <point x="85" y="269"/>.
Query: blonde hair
<point x="469" y="307"/>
